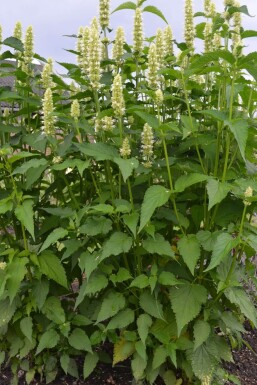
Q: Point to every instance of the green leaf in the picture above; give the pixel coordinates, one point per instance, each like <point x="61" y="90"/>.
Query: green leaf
<point x="20" y="155"/>
<point x="138" y="365"/>
<point x="168" y="279"/>
<point x="148" y="118"/>
<point x="159" y="357"/>
<point x="79" y="340"/>
<point x="144" y="322"/>
<point x="88" y="262"/>
<point x="32" y="163"/>
<point x="202" y="331"/>
<point x="242" y="9"/>
<point x="6" y="205"/>
<point x="64" y="361"/>
<point x="51" y="266"/>
<point x="188" y="180"/>
<point x="159" y="246"/>
<point x="25" y="215"/>
<point x="96" y="283"/>
<point x="169" y="378"/>
<point x="98" y="150"/>
<point x="111" y="305"/>
<point x="16" y="271"/>
<point x="126" y="5"/>
<point x="48" y="340"/>
<point x="239" y="128"/>
<point x="14" y="43"/>
<point x="141" y="350"/>
<point x="140" y="281"/>
<point x="7" y="310"/>
<point x="122" y="350"/>
<point x="53" y="310"/>
<point x="40" y="292"/>
<point x="151" y="305"/>
<point x="26" y="326"/>
<point x="126" y="166"/>
<point x="248" y="33"/>
<point x="238" y="296"/>
<point x="131" y="220"/>
<point x="118" y="243"/>
<point x="190" y="297"/>
<point x="90" y="363"/>
<point x="217" y="191"/>
<point x="165" y="331"/>
<point x="121" y="276"/>
<point x="53" y="237"/>
<point x="155" y="196"/>
<point x="96" y="225"/>
<point x="203" y="362"/>
<point x="189" y="248"/>
<point x="155" y="11"/>
<point x="189" y="125"/>
<point x="222" y="247"/>
<point x="121" y="320"/>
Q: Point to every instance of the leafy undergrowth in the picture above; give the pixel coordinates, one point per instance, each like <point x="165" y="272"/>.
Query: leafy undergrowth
<point x="128" y="200"/>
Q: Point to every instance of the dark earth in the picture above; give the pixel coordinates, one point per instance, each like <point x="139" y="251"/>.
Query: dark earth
<point x="244" y="366"/>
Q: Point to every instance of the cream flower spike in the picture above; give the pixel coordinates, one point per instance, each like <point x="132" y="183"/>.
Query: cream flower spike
<point x="104" y="13"/>
<point x="118" y="103"/>
<point x="18" y="30"/>
<point x="138" y="35"/>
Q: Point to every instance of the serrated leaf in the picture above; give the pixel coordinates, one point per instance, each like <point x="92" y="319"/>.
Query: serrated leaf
<point x="169" y="378"/>
<point x="88" y="262"/>
<point x="20" y="155"/>
<point x="26" y="326"/>
<point x="159" y="357"/>
<point x="96" y="225"/>
<point x="111" y="305"/>
<point x="155" y="196"/>
<point x="53" y="310"/>
<point x="98" y="151"/>
<point x="53" y="237"/>
<point x="33" y="163"/>
<point x="151" y="305"/>
<point x="202" y="331"/>
<point x="48" y="340"/>
<point x="232" y="322"/>
<point x="148" y="118"/>
<point x="96" y="283"/>
<point x="118" y="243"/>
<point x="190" y="297"/>
<point x="121" y="276"/>
<point x="7" y="310"/>
<point x="203" y="362"/>
<point x="158" y="245"/>
<point x="6" y="205"/>
<point x="121" y="320"/>
<point x="90" y="363"/>
<point x="155" y="11"/>
<point x="141" y="350"/>
<point x="40" y="292"/>
<point x="126" y="5"/>
<point x="25" y="215"/>
<point x="141" y="281"/>
<point x="144" y="322"/>
<point x="79" y="340"/>
<point x="239" y="128"/>
<point x="164" y="331"/>
<point x="168" y="279"/>
<point x="138" y="365"/>
<point x="122" y="350"/>
<point x="242" y="9"/>
<point x="14" y="43"/>
<point x="189" y="248"/>
<point x="16" y="271"/>
<point x="126" y="166"/>
<point x="188" y="180"/>
<point x="131" y="220"/>
<point x="217" y="191"/>
<point x="51" y="266"/>
<point x="64" y="361"/>
<point x="238" y="297"/>
<point x="222" y="247"/>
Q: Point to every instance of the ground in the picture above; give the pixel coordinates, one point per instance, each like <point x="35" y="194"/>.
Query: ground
<point x="244" y="366"/>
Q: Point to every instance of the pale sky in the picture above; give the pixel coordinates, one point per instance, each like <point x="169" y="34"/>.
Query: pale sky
<point x="51" y="19"/>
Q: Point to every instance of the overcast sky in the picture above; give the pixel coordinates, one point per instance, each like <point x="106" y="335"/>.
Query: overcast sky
<point x="51" y="19"/>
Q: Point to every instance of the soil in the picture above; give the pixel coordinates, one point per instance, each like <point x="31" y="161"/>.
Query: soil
<point x="244" y="367"/>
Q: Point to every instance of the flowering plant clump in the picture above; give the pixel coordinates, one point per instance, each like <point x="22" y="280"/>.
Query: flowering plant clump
<point x="128" y="200"/>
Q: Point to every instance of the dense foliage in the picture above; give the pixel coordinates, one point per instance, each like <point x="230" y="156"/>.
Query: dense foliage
<point x="128" y="200"/>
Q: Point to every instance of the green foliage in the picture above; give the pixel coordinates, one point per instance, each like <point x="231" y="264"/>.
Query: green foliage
<point x="136" y="229"/>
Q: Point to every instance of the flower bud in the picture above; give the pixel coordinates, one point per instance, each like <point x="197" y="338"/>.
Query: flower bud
<point x="18" y="31"/>
<point x="104" y="13"/>
<point x="107" y="124"/>
<point x="138" y="36"/>
<point x="75" y="110"/>
<point x="248" y="194"/>
<point x="159" y="97"/>
<point x="118" y="46"/>
<point x="118" y="103"/>
<point x="153" y="67"/>
<point x="168" y="41"/>
<point x="48" y="109"/>
<point x="125" y="149"/>
<point x="189" y="30"/>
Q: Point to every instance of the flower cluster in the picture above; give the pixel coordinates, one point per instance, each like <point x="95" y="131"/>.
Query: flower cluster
<point x="138" y="35"/>
<point x="75" y="109"/>
<point x="105" y="124"/>
<point x="118" y="103"/>
<point x="159" y="97"/>
<point x="94" y="56"/>
<point x="147" y="141"/>
<point x="46" y="75"/>
<point x="125" y="149"/>
<point x="168" y="41"/>
<point x="118" y="46"/>
<point x="28" y="50"/>
<point x="104" y="13"/>
<point x="3" y="265"/>
<point x="48" y="109"/>
<point x="160" y="53"/>
<point x="189" y="29"/>
<point x="153" y="67"/>
<point x="17" y="33"/>
<point x="208" y="41"/>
